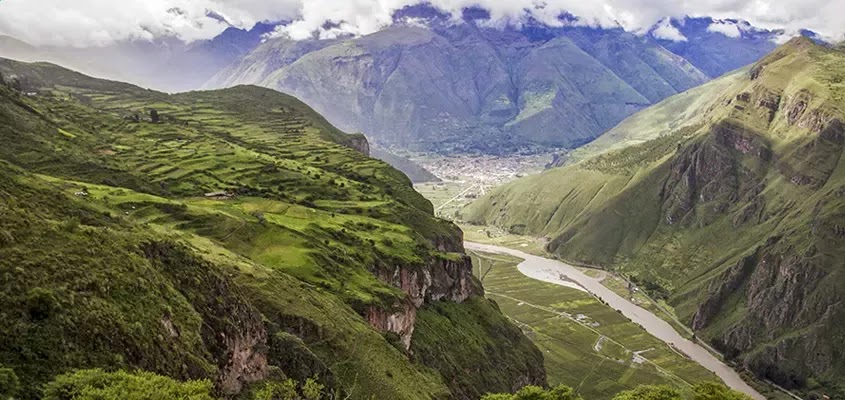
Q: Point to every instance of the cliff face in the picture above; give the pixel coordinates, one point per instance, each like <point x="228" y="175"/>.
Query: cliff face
<point x="233" y="329"/>
<point x="439" y="279"/>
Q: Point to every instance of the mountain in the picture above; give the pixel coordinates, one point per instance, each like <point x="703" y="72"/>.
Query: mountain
<point x="718" y="46"/>
<point x="444" y="86"/>
<point x="233" y="237"/>
<point x="165" y="64"/>
<point x="733" y="213"/>
<point x="415" y="172"/>
<point x="677" y="112"/>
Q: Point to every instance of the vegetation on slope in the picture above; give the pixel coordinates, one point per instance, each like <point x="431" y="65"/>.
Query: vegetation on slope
<point x="586" y="344"/>
<point x="735" y="218"/>
<point x="234" y="236"/>
<point x="703" y="391"/>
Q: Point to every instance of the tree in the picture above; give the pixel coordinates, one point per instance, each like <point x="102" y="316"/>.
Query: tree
<point x="560" y="392"/>
<point x="96" y="384"/>
<point x="154" y="117"/>
<point x="9" y="384"/>
<point x="15" y="83"/>
<point x="716" y="391"/>
<point x="650" y="392"/>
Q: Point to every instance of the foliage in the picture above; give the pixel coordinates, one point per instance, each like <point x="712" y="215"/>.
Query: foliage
<point x="560" y="392"/>
<point x="97" y="384"/>
<point x="716" y="391"/>
<point x="9" y="384"/>
<point x="650" y="392"/>
<point x="477" y="336"/>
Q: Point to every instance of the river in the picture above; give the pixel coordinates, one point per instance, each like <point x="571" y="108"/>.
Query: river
<point x="563" y="274"/>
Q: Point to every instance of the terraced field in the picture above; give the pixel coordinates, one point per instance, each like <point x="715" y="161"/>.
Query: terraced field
<point x="184" y="226"/>
<point x="586" y="344"/>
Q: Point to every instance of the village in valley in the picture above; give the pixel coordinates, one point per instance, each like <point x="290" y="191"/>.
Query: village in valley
<point x="465" y="178"/>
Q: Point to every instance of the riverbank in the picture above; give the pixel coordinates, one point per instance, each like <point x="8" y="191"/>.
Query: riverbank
<point x="540" y="267"/>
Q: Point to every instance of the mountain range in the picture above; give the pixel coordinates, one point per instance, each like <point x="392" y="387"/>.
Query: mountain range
<point x="429" y="83"/>
<point x="432" y="84"/>
<point x="726" y="201"/>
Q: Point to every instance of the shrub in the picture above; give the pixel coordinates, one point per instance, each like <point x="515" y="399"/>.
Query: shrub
<point x="650" y="392"/>
<point x="560" y="392"/>
<point x="9" y="384"/>
<point x="277" y="391"/>
<point x="96" y="384"/>
<point x="41" y="304"/>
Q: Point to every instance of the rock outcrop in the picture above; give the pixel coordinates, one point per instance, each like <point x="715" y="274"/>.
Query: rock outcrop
<point x="440" y="279"/>
<point x="233" y="330"/>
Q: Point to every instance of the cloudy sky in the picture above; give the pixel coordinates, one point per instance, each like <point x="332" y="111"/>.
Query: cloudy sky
<point x="99" y="22"/>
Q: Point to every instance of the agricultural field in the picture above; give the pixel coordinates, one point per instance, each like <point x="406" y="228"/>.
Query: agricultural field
<point x="586" y="344"/>
<point x="162" y="223"/>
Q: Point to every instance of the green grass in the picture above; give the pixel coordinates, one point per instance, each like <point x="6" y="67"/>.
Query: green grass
<point x="115" y="258"/>
<point x="567" y="324"/>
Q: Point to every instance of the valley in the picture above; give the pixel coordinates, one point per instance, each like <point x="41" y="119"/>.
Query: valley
<point x="422" y="200"/>
<point x="468" y="177"/>
<point x="721" y="202"/>
<point x="558" y="273"/>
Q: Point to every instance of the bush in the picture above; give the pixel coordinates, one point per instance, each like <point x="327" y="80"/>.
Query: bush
<point x="560" y="392"/>
<point x="9" y="384"/>
<point x="96" y="384"/>
<point x="650" y="392"/>
<point x="41" y="304"/>
<point x="716" y="391"/>
<point x="277" y="391"/>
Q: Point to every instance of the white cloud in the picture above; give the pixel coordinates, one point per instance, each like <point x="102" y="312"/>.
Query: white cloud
<point x="96" y="22"/>
<point x="664" y="30"/>
<point x="726" y="28"/>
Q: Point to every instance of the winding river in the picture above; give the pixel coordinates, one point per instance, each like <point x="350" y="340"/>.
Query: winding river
<point x="554" y="271"/>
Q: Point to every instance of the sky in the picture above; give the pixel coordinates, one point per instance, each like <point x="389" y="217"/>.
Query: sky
<point x="84" y="23"/>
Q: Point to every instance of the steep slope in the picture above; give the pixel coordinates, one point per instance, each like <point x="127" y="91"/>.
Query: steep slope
<point x="415" y="172"/>
<point x="720" y="46"/>
<point x="233" y="235"/>
<point x="464" y="87"/>
<point x="684" y="110"/>
<point x="735" y="218"/>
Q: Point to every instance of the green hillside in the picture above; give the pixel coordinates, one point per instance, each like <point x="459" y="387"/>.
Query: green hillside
<point x="233" y="236"/>
<point x="732" y="209"/>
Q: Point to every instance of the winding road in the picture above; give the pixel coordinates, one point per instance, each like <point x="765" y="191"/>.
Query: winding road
<point x="556" y="272"/>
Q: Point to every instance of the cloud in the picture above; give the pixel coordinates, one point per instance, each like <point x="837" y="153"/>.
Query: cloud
<point x="98" y="22"/>
<point x="726" y="28"/>
<point x="664" y="30"/>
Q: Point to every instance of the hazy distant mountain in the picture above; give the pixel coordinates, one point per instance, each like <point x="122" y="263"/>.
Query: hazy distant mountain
<point x="436" y="85"/>
<point x="719" y="46"/>
<point x="165" y="64"/>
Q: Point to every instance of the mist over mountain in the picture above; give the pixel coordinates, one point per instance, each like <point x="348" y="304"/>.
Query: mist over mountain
<point x="167" y="63"/>
<point x="429" y="83"/>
